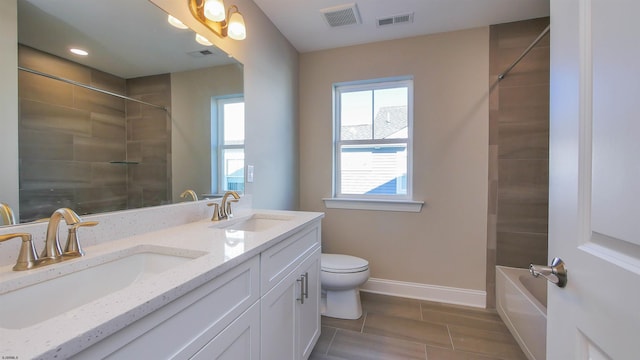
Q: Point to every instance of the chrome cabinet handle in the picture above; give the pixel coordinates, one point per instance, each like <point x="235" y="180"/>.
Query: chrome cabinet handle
<point x="301" y="281"/>
<point x="306" y="284"/>
<point x="556" y="273"/>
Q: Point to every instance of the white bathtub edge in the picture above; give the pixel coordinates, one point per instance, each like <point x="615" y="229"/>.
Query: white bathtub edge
<point x="506" y="273"/>
<point x="514" y="332"/>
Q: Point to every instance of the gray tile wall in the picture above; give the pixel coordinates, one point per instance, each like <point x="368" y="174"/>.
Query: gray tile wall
<point x="518" y="148"/>
<point x="68" y="135"/>
<point x="149" y="141"/>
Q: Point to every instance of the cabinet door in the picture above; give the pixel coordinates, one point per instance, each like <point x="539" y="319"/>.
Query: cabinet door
<point x="278" y="324"/>
<point x="186" y="324"/>
<point x="308" y="312"/>
<point x="239" y="341"/>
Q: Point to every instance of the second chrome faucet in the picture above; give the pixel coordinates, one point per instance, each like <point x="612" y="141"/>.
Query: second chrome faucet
<point x="223" y="211"/>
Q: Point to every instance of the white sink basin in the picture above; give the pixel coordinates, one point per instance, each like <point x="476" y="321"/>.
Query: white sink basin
<point x="101" y="276"/>
<point x="256" y="222"/>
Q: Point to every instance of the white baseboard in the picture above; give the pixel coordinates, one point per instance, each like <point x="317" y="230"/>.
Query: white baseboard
<point x="443" y="294"/>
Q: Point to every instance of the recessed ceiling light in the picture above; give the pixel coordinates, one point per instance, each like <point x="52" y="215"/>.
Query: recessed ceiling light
<point x="79" y="51"/>
<point x="203" y="40"/>
<point x="177" y="23"/>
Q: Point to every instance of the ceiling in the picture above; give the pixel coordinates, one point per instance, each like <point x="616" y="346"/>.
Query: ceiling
<point x="131" y="38"/>
<point x="303" y="24"/>
<point x="127" y="38"/>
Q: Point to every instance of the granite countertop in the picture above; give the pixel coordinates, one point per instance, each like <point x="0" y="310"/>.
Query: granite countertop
<point x="208" y="242"/>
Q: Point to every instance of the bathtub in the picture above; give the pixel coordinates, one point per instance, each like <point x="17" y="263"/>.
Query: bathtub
<point x="521" y="301"/>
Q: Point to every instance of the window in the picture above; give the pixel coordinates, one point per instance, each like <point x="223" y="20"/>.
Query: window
<point x="230" y="144"/>
<point x="373" y="133"/>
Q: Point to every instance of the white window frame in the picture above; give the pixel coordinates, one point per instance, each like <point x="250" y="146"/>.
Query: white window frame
<point x="399" y="202"/>
<point x="221" y="147"/>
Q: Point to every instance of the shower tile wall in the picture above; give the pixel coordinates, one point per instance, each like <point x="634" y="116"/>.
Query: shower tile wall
<point x="149" y="141"/>
<point x="518" y="148"/>
<point x="67" y="137"/>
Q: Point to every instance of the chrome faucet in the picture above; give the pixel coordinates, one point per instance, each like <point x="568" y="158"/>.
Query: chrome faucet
<point x="52" y="253"/>
<point x="6" y="215"/>
<point x="52" y="250"/>
<point x="189" y="193"/>
<point x="225" y="207"/>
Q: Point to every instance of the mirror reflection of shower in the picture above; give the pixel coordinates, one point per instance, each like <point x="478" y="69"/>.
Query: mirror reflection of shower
<point x="95" y="152"/>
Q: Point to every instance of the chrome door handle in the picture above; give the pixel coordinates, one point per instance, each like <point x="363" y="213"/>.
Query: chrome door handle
<point x="556" y="273"/>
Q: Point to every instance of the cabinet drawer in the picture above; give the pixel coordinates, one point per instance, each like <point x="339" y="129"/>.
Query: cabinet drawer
<point x="239" y="341"/>
<point x="277" y="261"/>
<point x="182" y="327"/>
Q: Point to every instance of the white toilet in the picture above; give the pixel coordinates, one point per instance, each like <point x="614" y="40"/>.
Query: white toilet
<point x="340" y="277"/>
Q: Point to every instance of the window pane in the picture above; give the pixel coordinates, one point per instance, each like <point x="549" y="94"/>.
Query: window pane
<point x="233" y="170"/>
<point x="233" y="123"/>
<point x="373" y="169"/>
<point x="356" y="115"/>
<point x="390" y="106"/>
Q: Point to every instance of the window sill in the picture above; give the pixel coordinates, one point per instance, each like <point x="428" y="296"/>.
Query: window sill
<point x="373" y="204"/>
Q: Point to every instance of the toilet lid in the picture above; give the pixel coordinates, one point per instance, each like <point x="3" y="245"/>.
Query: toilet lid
<point x="340" y="263"/>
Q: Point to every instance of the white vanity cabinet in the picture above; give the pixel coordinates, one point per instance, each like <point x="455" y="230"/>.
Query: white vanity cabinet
<point x="181" y="328"/>
<point x="267" y="307"/>
<point x="290" y="306"/>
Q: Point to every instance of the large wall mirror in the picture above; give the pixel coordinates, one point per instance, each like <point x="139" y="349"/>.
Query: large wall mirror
<point x="96" y="152"/>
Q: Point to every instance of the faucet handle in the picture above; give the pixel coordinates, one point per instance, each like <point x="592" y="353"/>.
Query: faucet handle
<point x="216" y="214"/>
<point x="73" y="247"/>
<point x="228" y="209"/>
<point x="27" y="258"/>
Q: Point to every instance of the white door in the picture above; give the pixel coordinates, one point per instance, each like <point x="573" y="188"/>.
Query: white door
<point x="594" y="198"/>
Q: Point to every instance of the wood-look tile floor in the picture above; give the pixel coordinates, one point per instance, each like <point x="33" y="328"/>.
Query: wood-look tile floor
<point x="399" y="328"/>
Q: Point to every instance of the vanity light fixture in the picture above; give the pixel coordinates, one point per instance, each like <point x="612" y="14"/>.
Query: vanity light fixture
<point x="79" y="51"/>
<point x="214" y="10"/>
<point x="177" y="23"/>
<point x="211" y="14"/>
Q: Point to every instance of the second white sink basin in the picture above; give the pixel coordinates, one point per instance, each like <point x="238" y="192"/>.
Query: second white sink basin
<point x="257" y="222"/>
<point x="43" y="300"/>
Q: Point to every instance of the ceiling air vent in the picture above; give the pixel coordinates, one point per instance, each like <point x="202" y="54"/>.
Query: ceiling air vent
<point x="202" y="53"/>
<point x="342" y="15"/>
<point x="396" y="19"/>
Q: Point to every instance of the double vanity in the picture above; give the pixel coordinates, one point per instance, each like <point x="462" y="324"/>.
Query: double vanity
<point x="242" y="288"/>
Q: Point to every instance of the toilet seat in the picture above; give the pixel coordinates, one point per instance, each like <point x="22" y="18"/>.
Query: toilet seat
<point x="343" y="264"/>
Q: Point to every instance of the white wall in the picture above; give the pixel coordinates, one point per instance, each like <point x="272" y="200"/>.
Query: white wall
<point x="191" y="93"/>
<point x="271" y="97"/>
<point x="9" y="104"/>
<point x="445" y="244"/>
